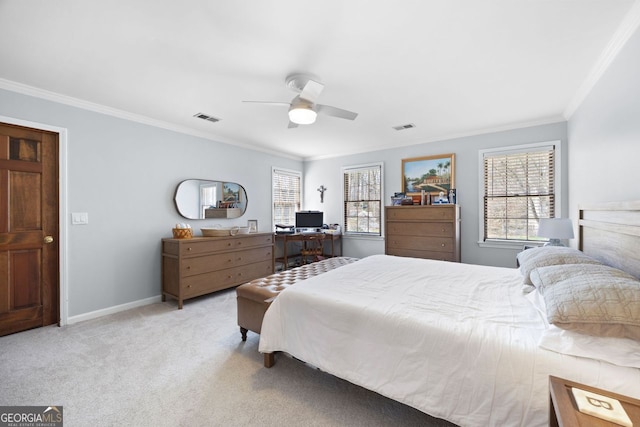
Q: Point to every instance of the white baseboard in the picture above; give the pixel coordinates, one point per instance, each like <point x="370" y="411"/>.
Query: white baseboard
<point x="112" y="310"/>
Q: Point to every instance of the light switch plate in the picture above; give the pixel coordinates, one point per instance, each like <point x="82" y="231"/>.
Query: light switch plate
<point x="79" y="218"/>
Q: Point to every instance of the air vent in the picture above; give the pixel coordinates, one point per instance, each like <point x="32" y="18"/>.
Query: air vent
<point x="403" y="127"/>
<point x="206" y="117"/>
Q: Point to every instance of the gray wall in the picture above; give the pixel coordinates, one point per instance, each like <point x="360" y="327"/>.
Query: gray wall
<point x="467" y="176"/>
<point x="604" y="135"/>
<point x="124" y="174"/>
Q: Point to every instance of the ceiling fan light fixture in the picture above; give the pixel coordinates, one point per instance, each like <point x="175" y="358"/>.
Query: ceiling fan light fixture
<point x="302" y="115"/>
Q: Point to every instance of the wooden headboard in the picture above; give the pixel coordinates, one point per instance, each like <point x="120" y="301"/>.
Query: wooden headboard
<point x="610" y="232"/>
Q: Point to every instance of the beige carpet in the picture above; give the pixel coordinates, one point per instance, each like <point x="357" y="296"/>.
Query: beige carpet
<point x="160" y="366"/>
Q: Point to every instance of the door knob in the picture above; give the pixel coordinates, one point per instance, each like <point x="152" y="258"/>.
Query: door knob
<point x="48" y="239"/>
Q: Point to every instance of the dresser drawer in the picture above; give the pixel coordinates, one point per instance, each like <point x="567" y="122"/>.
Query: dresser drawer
<point x="437" y="244"/>
<point x="431" y="229"/>
<point x="431" y="232"/>
<point x="202" y="264"/>
<point x="439" y="256"/>
<point x="421" y="213"/>
<point x="210" y="282"/>
<point x="217" y="244"/>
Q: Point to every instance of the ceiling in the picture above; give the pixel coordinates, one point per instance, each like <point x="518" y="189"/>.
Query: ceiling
<point x="451" y="67"/>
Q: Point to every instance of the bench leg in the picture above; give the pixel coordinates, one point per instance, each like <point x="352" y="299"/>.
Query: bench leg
<point x="269" y="360"/>
<point x="243" y="331"/>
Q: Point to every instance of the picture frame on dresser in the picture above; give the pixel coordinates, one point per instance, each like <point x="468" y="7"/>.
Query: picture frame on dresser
<point x="433" y="174"/>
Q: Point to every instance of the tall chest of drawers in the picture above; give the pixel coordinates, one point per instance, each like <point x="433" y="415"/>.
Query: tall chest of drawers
<point x="423" y="231"/>
<point x="201" y="265"/>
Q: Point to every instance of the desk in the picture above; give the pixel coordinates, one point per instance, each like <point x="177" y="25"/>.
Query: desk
<point x="298" y="237"/>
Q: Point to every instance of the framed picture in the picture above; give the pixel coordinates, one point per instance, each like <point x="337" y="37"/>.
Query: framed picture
<point x="231" y="192"/>
<point x="253" y="225"/>
<point x="433" y="174"/>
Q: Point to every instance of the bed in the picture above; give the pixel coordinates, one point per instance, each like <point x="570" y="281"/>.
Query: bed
<point x="467" y="343"/>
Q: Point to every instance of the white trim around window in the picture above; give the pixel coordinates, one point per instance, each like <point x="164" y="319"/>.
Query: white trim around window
<point x="359" y="168"/>
<point x="517" y="244"/>
<point x="296" y="200"/>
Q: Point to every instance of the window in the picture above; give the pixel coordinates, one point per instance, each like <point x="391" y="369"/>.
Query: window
<point x="363" y="199"/>
<point x="519" y="188"/>
<point x="286" y="196"/>
<point x="207" y="197"/>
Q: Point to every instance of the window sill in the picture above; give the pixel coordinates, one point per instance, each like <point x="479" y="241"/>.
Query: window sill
<point x="509" y="244"/>
<point x="361" y="237"/>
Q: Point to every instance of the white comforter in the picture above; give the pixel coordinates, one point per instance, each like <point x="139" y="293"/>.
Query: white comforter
<point x="456" y="341"/>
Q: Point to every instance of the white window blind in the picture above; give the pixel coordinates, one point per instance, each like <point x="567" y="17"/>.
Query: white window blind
<point x="207" y="197"/>
<point x="519" y="190"/>
<point x="363" y="199"/>
<point x="286" y="196"/>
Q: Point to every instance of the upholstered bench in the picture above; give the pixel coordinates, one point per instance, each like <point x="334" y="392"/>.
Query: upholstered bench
<point x="255" y="297"/>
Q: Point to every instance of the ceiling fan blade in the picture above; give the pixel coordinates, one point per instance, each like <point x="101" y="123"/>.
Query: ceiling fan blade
<point x="269" y="103"/>
<point x="328" y="110"/>
<point x="311" y="91"/>
<point x="292" y="125"/>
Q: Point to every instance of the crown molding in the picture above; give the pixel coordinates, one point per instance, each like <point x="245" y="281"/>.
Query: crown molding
<point x="101" y="109"/>
<point x="126" y="115"/>
<point x="446" y="137"/>
<point x="625" y="30"/>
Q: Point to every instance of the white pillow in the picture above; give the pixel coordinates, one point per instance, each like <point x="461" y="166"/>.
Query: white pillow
<point x="590" y="298"/>
<point x="618" y="351"/>
<point x="543" y="256"/>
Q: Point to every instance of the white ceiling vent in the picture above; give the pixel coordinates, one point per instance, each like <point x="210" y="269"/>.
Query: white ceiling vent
<point x="206" y="117"/>
<point x="403" y="127"/>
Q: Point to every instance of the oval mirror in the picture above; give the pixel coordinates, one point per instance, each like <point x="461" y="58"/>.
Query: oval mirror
<point x="204" y="199"/>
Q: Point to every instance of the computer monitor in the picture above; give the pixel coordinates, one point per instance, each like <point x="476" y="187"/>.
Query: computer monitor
<point x="309" y="219"/>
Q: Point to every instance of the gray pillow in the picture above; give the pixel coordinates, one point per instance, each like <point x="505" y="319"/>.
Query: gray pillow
<point x="543" y="256"/>
<point x="592" y="299"/>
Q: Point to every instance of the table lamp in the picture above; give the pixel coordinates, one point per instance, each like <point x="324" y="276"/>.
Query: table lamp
<point x="555" y="229"/>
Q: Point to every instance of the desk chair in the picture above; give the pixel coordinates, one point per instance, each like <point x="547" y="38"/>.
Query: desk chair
<point x="312" y="246"/>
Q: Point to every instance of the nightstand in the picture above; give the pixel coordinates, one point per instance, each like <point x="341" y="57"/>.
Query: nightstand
<point x="563" y="411"/>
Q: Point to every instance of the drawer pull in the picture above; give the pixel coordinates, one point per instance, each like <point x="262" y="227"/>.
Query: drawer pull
<point x="188" y="286"/>
<point x="443" y="245"/>
<point x="189" y="248"/>
<point x="239" y="258"/>
<point x="188" y="267"/>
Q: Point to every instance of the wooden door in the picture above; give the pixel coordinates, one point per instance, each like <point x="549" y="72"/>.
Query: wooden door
<point x="29" y="267"/>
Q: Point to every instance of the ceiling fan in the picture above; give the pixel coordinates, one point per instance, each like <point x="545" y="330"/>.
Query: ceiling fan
<point x="303" y="109"/>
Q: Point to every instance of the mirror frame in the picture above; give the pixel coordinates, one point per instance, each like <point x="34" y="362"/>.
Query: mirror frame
<point x="217" y="212"/>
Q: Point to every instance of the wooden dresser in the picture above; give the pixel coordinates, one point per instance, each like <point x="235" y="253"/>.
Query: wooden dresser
<point x="423" y="231"/>
<point x="201" y="265"/>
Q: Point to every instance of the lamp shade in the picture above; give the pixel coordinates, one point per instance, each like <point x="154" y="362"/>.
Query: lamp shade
<point x="555" y="229"/>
